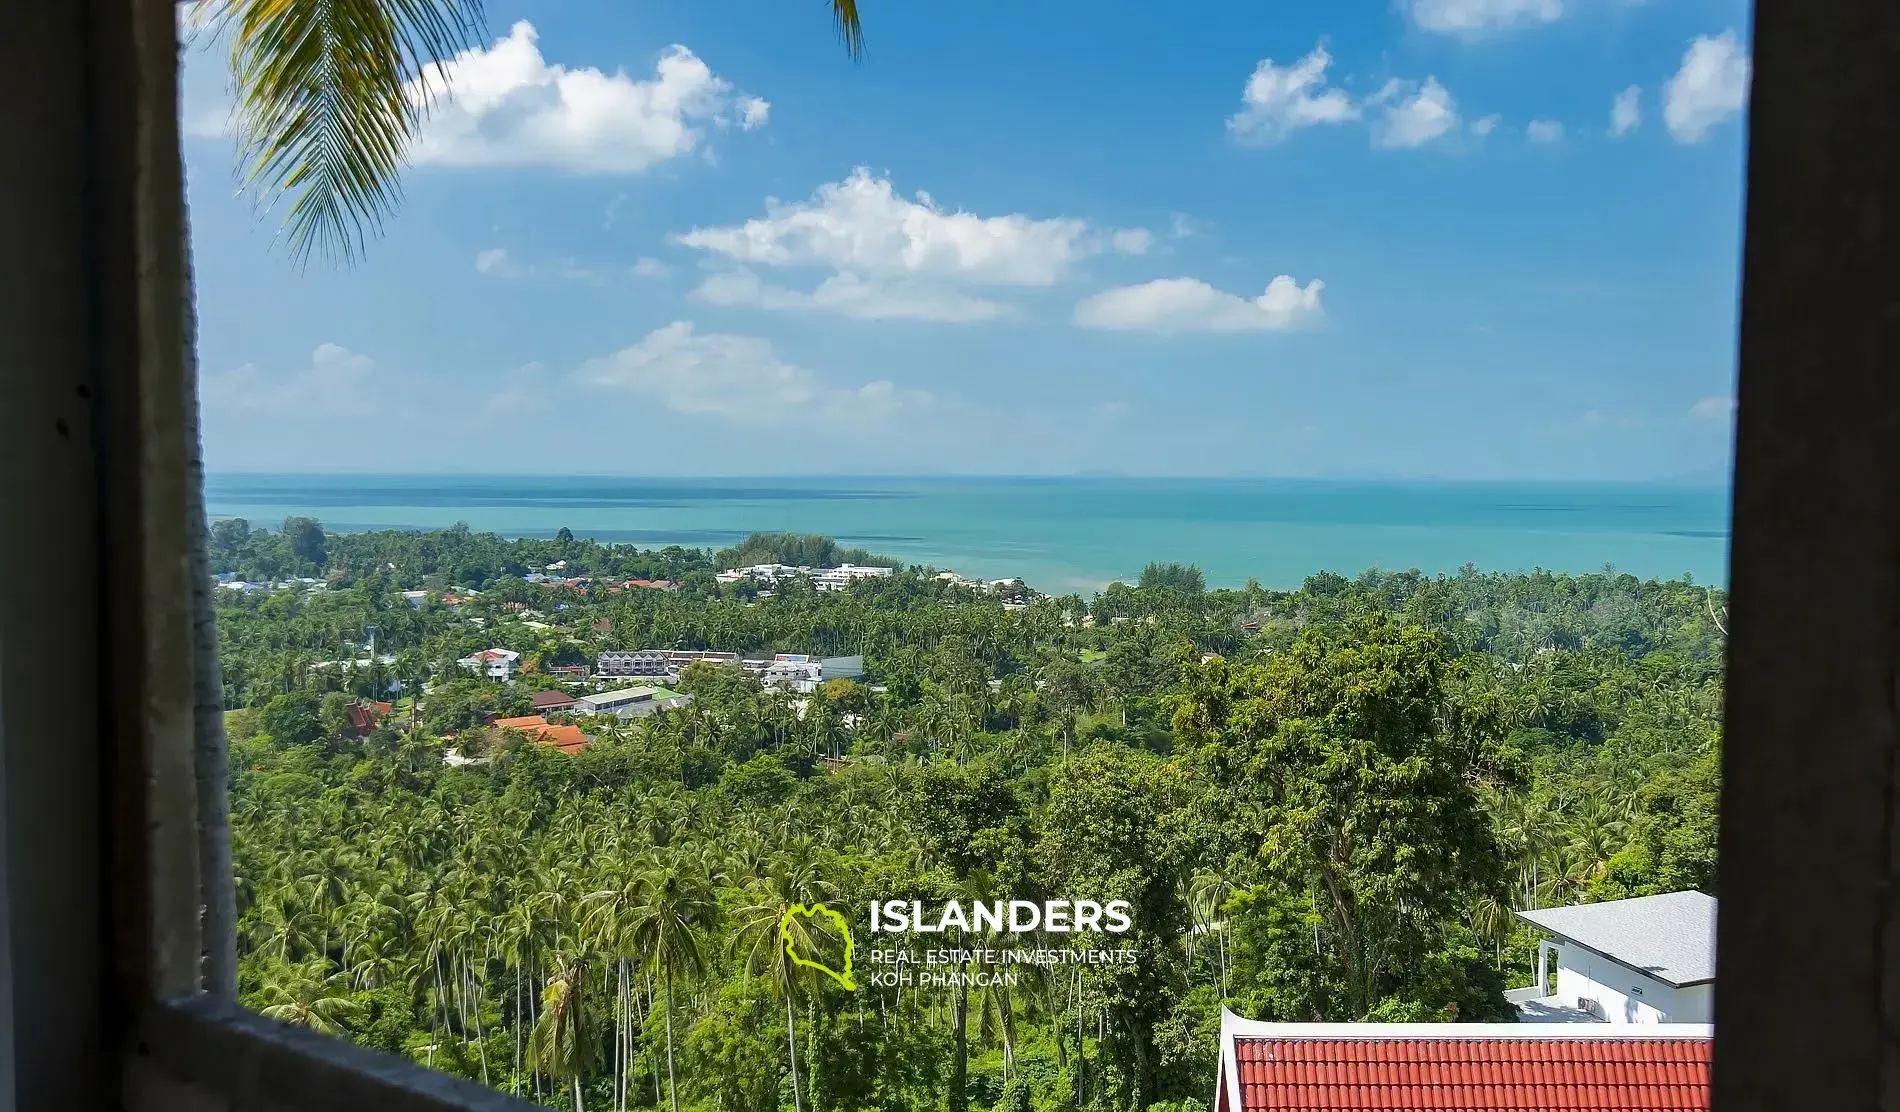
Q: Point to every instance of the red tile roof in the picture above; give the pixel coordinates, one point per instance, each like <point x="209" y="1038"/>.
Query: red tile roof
<point x="365" y="717"/>
<point x="1597" y="1068"/>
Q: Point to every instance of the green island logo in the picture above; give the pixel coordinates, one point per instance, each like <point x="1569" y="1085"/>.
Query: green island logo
<point x="791" y="951"/>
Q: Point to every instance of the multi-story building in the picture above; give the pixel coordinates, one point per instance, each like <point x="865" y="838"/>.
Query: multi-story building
<point x="842" y="576"/>
<point x="654" y="663"/>
<point x="825" y="579"/>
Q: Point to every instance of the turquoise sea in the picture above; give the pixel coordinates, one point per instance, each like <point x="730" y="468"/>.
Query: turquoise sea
<point x="1060" y="534"/>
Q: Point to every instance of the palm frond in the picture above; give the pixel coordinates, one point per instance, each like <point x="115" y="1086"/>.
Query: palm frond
<point x="330" y="94"/>
<point x="845" y="14"/>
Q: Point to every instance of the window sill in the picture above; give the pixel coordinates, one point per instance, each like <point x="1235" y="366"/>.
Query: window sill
<point x="208" y="1055"/>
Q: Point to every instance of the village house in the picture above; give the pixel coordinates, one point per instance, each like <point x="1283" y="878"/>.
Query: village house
<point x="567" y="739"/>
<point x="1646" y="960"/>
<point x="498" y="664"/>
<point x="552" y="702"/>
<point x="365" y="717"/>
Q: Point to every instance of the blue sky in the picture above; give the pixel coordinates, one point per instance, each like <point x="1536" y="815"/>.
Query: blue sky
<point x="1357" y="239"/>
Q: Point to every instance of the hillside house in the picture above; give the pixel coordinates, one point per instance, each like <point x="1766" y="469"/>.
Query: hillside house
<point x="1646" y="960"/>
<point x="552" y="702"/>
<point x="497" y="664"/>
<point x="567" y="739"/>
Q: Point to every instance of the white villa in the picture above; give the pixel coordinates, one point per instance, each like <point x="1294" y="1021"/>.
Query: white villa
<point x="496" y="664"/>
<point x="795" y="672"/>
<point x="1639" y="961"/>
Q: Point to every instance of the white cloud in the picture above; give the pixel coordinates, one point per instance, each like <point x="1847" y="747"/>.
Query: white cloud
<point x="1626" y="111"/>
<point x="738" y="378"/>
<point x="849" y="295"/>
<point x="508" y="106"/>
<point x="1474" y="18"/>
<point x="1412" y="115"/>
<point x="495" y="263"/>
<point x="754" y="112"/>
<point x="1719" y="408"/>
<point x="1545" y="131"/>
<point x="1710" y="86"/>
<point x="334" y="382"/>
<point x="1131" y="241"/>
<point x="1485" y="125"/>
<point x="1183" y="226"/>
<point x="1280" y="100"/>
<point x="1191" y="305"/>
<point x="862" y="225"/>
<point x="646" y="266"/>
<point x="499" y="262"/>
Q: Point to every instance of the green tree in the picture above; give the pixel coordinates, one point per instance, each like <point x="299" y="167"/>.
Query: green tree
<point x="1185" y="578"/>
<point x="1346" y="766"/>
<point x="305" y="535"/>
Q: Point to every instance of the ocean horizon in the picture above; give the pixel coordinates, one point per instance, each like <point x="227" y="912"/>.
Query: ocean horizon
<point x="1058" y="533"/>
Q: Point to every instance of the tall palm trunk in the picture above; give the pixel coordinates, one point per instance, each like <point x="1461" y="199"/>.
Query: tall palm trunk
<point x="211" y="767"/>
<point x="791" y="1043"/>
<point x="672" y="1084"/>
<point x="960" y="1065"/>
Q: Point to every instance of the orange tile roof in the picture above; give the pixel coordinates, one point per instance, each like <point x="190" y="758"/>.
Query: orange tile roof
<point x="1590" y="1071"/>
<point x="568" y="739"/>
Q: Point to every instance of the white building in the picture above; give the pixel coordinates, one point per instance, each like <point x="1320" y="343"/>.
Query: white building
<point x="1639" y="961"/>
<point x="496" y="664"/>
<point x="842" y="576"/>
<point x="794" y="672"/>
<point x="629" y="702"/>
<point x="655" y="663"/>
<point x="825" y="579"/>
<point x="761" y="573"/>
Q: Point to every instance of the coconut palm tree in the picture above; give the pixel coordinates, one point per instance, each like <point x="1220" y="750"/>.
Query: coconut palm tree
<point x="310" y="995"/>
<point x="792" y="878"/>
<point x="677" y="902"/>
<point x="559" y="1045"/>
<point x="1208" y="892"/>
